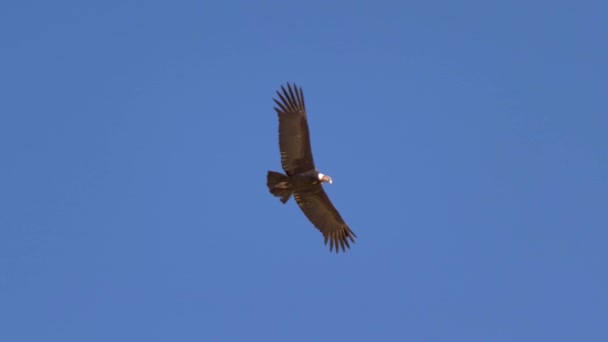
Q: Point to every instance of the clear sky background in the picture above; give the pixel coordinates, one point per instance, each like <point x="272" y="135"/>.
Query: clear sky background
<point x="467" y="141"/>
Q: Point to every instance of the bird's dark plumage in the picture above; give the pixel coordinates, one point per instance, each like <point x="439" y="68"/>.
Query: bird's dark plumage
<point x="302" y="179"/>
<point x="294" y="139"/>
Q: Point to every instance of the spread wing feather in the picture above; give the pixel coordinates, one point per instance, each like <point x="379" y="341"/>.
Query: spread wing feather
<point x="294" y="138"/>
<point x="321" y="212"/>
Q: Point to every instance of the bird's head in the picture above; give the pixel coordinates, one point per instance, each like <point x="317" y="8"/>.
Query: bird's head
<point x="324" y="178"/>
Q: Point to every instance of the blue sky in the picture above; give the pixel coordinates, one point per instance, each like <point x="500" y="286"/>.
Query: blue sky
<point x="467" y="143"/>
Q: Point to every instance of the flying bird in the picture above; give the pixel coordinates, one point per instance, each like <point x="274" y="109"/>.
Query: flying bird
<point x="302" y="180"/>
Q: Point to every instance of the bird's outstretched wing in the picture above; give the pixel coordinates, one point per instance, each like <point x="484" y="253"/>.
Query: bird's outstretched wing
<point x="294" y="139"/>
<point x="321" y="212"/>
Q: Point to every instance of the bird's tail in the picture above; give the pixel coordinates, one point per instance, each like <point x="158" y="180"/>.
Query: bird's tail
<point x="279" y="186"/>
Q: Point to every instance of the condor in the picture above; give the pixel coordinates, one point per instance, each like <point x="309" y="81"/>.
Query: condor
<point x="303" y="181"/>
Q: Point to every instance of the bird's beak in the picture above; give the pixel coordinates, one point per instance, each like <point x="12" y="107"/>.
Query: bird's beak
<point x="327" y="179"/>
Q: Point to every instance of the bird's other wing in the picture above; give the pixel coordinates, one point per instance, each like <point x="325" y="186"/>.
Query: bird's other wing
<point x="321" y="212"/>
<point x="294" y="139"/>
